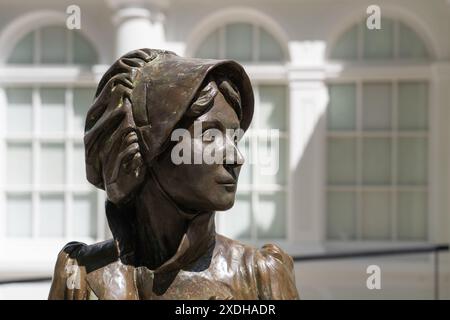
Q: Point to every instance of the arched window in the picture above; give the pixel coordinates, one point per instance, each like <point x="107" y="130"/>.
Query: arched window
<point x="53" y="45"/>
<point x="46" y="194"/>
<point x="243" y="42"/>
<point x="378" y="139"/>
<point x="260" y="209"/>
<point x="394" y="41"/>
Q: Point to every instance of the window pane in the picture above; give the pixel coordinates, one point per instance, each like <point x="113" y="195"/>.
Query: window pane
<point x="271" y="216"/>
<point x="377" y="100"/>
<point x="239" y="41"/>
<point x="18" y="208"/>
<point x="79" y="168"/>
<point x="24" y="51"/>
<point x="376" y="161"/>
<point x="82" y="100"/>
<point x="346" y="48"/>
<point x="85" y="215"/>
<point x="52" y="163"/>
<point x="376" y="215"/>
<point x="209" y="49"/>
<point x="412" y="106"/>
<point x="341" y="215"/>
<point x="19" y="163"/>
<point x="52" y="110"/>
<point x="410" y="44"/>
<point x="54" y="45"/>
<point x="272" y="109"/>
<point x="271" y="156"/>
<point x="379" y="44"/>
<point x="51" y="216"/>
<point x="83" y="51"/>
<point x="19" y="110"/>
<point x="412" y="161"/>
<point x="412" y="217"/>
<point x="342" y="106"/>
<point x="341" y="161"/>
<point x="235" y="223"/>
<point x="269" y="48"/>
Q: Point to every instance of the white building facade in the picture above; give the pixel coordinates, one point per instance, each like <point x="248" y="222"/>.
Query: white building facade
<point x="360" y="118"/>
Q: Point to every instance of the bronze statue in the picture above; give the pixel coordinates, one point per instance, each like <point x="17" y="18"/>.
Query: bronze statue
<point x="161" y="214"/>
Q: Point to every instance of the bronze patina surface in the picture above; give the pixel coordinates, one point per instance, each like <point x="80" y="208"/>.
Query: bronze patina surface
<point x="161" y="214"/>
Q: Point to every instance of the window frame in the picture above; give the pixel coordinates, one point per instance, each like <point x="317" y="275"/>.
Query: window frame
<point x="68" y="76"/>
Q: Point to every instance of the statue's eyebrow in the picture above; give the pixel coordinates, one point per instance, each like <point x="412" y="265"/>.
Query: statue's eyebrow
<point x="204" y="100"/>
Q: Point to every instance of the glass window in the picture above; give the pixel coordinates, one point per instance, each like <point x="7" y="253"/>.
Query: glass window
<point x="54" y="44"/>
<point x="376" y="215"/>
<point x="82" y="100"/>
<point x="377" y="109"/>
<point x="342" y="107"/>
<point x="413" y="106"/>
<point x="37" y="163"/>
<point x="341" y="161"/>
<point x="238" y="36"/>
<point x="51" y="223"/>
<point x="23" y="52"/>
<point x="18" y="163"/>
<point x="412" y="217"/>
<point x="19" y="110"/>
<point x="269" y="49"/>
<point x="85" y="215"/>
<point x="375" y="164"/>
<point x="346" y="48"/>
<point x="243" y="42"/>
<point x="395" y="40"/>
<point x="341" y="215"/>
<point x="210" y="47"/>
<point x="52" y="110"/>
<point x="52" y="163"/>
<point x="18" y="208"/>
<point x="379" y="44"/>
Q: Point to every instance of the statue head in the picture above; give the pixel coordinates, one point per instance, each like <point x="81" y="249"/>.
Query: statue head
<point x="154" y="116"/>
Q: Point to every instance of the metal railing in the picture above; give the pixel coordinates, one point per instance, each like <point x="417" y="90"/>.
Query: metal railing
<point x="333" y="255"/>
<point x="429" y="248"/>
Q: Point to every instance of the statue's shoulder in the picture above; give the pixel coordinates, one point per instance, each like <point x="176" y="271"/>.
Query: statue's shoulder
<point x="269" y="267"/>
<point x="93" y="256"/>
<point x="233" y="247"/>
<point x="74" y="262"/>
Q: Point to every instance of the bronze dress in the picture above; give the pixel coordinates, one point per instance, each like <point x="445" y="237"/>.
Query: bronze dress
<point x="206" y="266"/>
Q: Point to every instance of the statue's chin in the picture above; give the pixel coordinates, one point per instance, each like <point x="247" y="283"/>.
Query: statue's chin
<point x="225" y="205"/>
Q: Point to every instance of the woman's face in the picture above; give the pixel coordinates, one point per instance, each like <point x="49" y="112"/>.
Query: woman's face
<point x="201" y="171"/>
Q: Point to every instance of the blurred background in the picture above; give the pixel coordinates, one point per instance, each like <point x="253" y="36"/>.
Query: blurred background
<point x="362" y="117"/>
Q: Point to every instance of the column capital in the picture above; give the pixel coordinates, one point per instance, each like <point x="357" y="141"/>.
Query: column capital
<point x="126" y="9"/>
<point x="150" y="4"/>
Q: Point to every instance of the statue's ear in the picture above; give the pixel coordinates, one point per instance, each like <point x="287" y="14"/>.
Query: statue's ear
<point x="125" y="174"/>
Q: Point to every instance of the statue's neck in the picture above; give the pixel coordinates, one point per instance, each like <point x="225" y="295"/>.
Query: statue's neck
<point x="160" y="227"/>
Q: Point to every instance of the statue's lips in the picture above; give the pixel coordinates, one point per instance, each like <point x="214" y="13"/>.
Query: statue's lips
<point x="229" y="186"/>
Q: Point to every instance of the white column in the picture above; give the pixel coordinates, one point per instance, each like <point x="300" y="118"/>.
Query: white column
<point x="439" y="169"/>
<point x="440" y="148"/>
<point x="138" y="25"/>
<point x="308" y="100"/>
